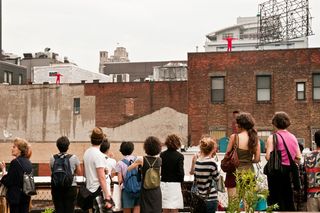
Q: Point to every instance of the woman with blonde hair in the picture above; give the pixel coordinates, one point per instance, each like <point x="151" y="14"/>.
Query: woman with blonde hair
<point x="247" y="146"/>
<point x="13" y="180"/>
<point x="206" y="171"/>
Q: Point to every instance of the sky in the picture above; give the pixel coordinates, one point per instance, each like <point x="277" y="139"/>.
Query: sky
<point x="150" y="30"/>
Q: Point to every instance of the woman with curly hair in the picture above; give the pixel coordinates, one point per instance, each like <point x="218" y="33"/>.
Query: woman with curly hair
<point x="172" y="175"/>
<point x="248" y="148"/>
<point x="150" y="199"/>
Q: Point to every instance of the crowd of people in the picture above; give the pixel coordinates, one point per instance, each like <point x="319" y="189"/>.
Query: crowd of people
<point x="166" y="196"/>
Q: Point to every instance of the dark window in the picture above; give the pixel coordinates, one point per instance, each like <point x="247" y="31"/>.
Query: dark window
<point x="76" y="105"/>
<point x="301" y="90"/>
<point x="264" y="88"/>
<point x="217" y="89"/>
<point x="316" y="86"/>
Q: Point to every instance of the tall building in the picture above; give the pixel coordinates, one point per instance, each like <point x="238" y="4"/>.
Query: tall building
<point x="120" y="56"/>
<point x="245" y="32"/>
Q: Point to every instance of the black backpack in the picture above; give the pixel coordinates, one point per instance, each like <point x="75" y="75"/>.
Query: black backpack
<point x="61" y="175"/>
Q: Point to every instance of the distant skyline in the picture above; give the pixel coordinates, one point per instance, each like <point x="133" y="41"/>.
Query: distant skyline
<point x="150" y="30"/>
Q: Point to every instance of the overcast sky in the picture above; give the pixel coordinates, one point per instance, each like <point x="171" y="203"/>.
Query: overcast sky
<point x="150" y="30"/>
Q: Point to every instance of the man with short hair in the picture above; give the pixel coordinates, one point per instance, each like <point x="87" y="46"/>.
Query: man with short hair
<point x="64" y="197"/>
<point x="94" y="164"/>
<point x="312" y="163"/>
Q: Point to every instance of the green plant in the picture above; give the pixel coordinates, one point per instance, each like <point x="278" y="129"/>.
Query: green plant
<point x="48" y="210"/>
<point x="249" y="191"/>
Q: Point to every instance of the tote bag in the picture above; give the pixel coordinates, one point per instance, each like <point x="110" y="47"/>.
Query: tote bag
<point x="273" y="165"/>
<point x="230" y="161"/>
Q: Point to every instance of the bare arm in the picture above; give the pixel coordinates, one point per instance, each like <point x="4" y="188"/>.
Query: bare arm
<point x="120" y="178"/>
<point x="256" y="158"/>
<point x="231" y="143"/>
<point x="102" y="182"/>
<point x="78" y="171"/>
<point x="269" y="146"/>
<point x="135" y="164"/>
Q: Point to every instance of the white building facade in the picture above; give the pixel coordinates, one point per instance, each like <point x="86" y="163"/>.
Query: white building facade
<point x="70" y="73"/>
<point x="245" y="33"/>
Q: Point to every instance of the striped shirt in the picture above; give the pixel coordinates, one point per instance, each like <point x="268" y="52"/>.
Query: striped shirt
<point x="204" y="168"/>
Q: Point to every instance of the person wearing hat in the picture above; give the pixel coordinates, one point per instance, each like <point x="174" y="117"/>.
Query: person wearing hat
<point x="94" y="166"/>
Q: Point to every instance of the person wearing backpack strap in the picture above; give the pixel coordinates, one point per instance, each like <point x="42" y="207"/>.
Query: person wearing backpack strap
<point x="151" y="197"/>
<point x="130" y="201"/>
<point x="63" y="168"/>
<point x="172" y="175"/>
<point x="13" y="179"/>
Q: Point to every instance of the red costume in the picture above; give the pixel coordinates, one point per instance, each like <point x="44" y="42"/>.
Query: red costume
<point x="229" y="40"/>
<point x="58" y="75"/>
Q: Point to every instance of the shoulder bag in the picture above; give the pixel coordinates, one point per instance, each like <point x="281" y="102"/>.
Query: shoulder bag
<point x="273" y="165"/>
<point x="28" y="187"/>
<point x="230" y="161"/>
<point x="294" y="170"/>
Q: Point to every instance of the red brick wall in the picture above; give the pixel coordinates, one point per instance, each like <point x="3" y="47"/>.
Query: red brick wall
<point x="240" y="70"/>
<point x="111" y="100"/>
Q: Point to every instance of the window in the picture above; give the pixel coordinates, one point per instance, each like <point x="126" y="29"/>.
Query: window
<point x="217" y="89"/>
<point x="129" y="106"/>
<point x="316" y="86"/>
<point x="301" y="90"/>
<point x="264" y="88"/>
<point x="7" y="77"/>
<point x="76" y="105"/>
<point x="20" y="79"/>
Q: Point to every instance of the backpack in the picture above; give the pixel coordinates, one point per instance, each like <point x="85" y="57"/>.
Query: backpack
<point x="132" y="180"/>
<point x="152" y="176"/>
<point x="61" y="175"/>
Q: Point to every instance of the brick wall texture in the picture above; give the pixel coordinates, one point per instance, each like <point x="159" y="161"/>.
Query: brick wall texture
<point x="240" y="69"/>
<point x="119" y="103"/>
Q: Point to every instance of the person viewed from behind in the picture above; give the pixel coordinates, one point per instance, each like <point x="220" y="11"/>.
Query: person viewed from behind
<point x="206" y="172"/>
<point x="13" y="180"/>
<point x="63" y="184"/>
<point x="130" y="201"/>
<point x="150" y="199"/>
<point x="110" y="163"/>
<point x="280" y="190"/>
<point x="172" y="175"/>
<point x="312" y="164"/>
<point x="94" y="167"/>
<point x="248" y="148"/>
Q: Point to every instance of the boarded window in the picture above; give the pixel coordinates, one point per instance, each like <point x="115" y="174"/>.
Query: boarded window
<point x="129" y="106"/>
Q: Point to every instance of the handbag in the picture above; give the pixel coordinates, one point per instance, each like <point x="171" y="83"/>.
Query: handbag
<point x="3" y="190"/>
<point x="85" y="198"/>
<point x="274" y="165"/>
<point x="294" y="170"/>
<point x="28" y="186"/>
<point x="220" y="185"/>
<point x="230" y="161"/>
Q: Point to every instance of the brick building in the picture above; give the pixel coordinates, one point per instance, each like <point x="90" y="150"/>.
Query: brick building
<point x="259" y="82"/>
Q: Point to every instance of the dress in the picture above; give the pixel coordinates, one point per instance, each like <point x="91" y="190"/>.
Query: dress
<point x="13" y="180"/>
<point x="245" y="159"/>
<point x="150" y="198"/>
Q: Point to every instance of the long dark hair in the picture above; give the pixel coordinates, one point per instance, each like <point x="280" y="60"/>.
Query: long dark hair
<point x="247" y="122"/>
